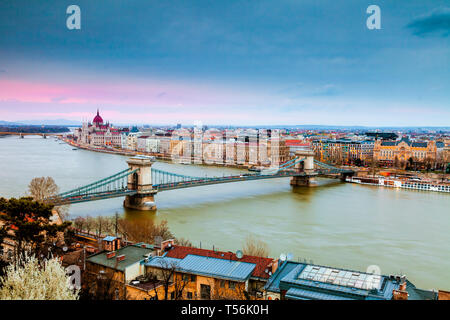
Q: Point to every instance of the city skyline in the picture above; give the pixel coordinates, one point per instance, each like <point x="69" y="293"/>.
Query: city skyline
<point x="292" y="63"/>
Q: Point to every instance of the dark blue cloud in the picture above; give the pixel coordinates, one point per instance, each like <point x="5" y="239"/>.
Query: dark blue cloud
<point x="437" y="22"/>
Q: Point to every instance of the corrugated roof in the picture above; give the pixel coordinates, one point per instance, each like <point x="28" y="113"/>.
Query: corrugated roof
<point x="261" y="263"/>
<point x="163" y="262"/>
<point x="217" y="268"/>
<point x="274" y="282"/>
<point x="301" y="294"/>
<point x="109" y="238"/>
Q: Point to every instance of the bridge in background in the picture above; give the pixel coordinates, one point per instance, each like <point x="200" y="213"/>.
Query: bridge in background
<point x="140" y="182"/>
<point x="23" y="134"/>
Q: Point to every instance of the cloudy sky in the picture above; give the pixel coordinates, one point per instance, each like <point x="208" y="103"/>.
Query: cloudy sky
<point x="235" y="62"/>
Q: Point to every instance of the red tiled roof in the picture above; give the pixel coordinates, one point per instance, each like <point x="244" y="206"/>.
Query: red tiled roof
<point x="262" y="264"/>
<point x="299" y="143"/>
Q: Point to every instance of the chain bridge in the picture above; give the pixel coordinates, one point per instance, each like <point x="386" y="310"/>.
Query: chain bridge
<point x="140" y="182"/>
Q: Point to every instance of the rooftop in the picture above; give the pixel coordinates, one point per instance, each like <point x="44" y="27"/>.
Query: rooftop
<point x="207" y="266"/>
<point x="133" y="254"/>
<point x="319" y="282"/>
<point x="261" y="263"/>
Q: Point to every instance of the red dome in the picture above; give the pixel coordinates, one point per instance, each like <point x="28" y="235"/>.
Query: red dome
<point x="97" y="118"/>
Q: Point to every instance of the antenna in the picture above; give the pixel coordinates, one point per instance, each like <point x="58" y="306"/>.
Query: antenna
<point x="239" y="254"/>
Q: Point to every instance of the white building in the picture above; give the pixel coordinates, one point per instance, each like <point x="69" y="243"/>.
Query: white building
<point x="99" y="133"/>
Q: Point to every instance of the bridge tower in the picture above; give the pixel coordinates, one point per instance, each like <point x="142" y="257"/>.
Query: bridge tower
<point x="141" y="181"/>
<point x="305" y="169"/>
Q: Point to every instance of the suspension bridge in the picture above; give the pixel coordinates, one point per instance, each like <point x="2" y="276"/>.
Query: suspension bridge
<point x="140" y="181"/>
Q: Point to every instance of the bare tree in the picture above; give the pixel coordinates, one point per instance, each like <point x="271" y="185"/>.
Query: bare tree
<point x="144" y="230"/>
<point x="167" y="274"/>
<point x="89" y="224"/>
<point x="255" y="247"/>
<point x="79" y="223"/>
<point x="44" y="188"/>
<point x="184" y="242"/>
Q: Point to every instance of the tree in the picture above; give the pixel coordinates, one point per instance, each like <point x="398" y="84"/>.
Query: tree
<point x="43" y="188"/>
<point x="144" y="230"/>
<point x="255" y="247"/>
<point x="30" y="280"/>
<point x="166" y="274"/>
<point x="27" y="224"/>
<point x="183" y="242"/>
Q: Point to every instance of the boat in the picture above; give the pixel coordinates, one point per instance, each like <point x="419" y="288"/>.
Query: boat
<point x="413" y="184"/>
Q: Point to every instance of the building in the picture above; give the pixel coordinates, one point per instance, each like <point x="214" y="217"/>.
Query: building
<point x="99" y="133"/>
<point x="399" y="153"/>
<point x="341" y="151"/>
<point x="300" y="281"/>
<point x="193" y="273"/>
<point x="108" y="271"/>
<point x="296" y="145"/>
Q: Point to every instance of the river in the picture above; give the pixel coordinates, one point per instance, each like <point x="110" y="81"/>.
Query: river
<point x="334" y="224"/>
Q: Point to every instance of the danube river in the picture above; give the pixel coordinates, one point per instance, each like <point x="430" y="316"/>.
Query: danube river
<point x="333" y="224"/>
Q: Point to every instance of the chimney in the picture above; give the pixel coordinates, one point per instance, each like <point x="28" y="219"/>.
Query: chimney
<point x="274" y="266"/>
<point x="401" y="293"/>
<point x="110" y="255"/>
<point x="120" y="258"/>
<point x="118" y="243"/>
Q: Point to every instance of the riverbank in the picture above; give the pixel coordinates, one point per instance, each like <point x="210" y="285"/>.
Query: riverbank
<point x="158" y="156"/>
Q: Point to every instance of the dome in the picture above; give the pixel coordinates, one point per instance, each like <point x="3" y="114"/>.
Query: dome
<point x="97" y="119"/>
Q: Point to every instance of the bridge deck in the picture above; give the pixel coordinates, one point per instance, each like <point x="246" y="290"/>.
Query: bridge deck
<point x="219" y="180"/>
<point x="117" y="184"/>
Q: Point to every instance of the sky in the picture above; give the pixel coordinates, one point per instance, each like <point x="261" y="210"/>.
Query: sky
<point x="284" y="62"/>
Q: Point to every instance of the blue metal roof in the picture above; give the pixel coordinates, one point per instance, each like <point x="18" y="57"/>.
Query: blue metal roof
<point x="109" y="238"/>
<point x="274" y="282"/>
<point x="217" y="268"/>
<point x="288" y="277"/>
<point x="163" y="262"/>
<point x="301" y="294"/>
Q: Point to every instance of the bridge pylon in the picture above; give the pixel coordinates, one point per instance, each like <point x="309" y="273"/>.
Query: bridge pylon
<point x="141" y="181"/>
<point x="305" y="169"/>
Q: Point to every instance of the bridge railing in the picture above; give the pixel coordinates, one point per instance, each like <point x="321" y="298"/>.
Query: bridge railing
<point x="115" y="182"/>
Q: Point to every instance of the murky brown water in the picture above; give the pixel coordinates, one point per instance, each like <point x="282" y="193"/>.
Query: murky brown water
<point x="335" y="224"/>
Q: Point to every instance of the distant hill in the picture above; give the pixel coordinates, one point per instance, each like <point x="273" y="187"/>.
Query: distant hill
<point x="57" y="122"/>
<point x="33" y="129"/>
<point x="7" y="123"/>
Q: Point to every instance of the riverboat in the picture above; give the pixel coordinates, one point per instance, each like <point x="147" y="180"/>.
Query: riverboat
<point x="414" y="184"/>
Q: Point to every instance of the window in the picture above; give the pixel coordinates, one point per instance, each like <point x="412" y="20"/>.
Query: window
<point x="193" y="278"/>
<point x="205" y="292"/>
<point x="189" y="295"/>
<point x="185" y="277"/>
<point x="222" y="283"/>
<point x="172" y="295"/>
<point x="231" y="285"/>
